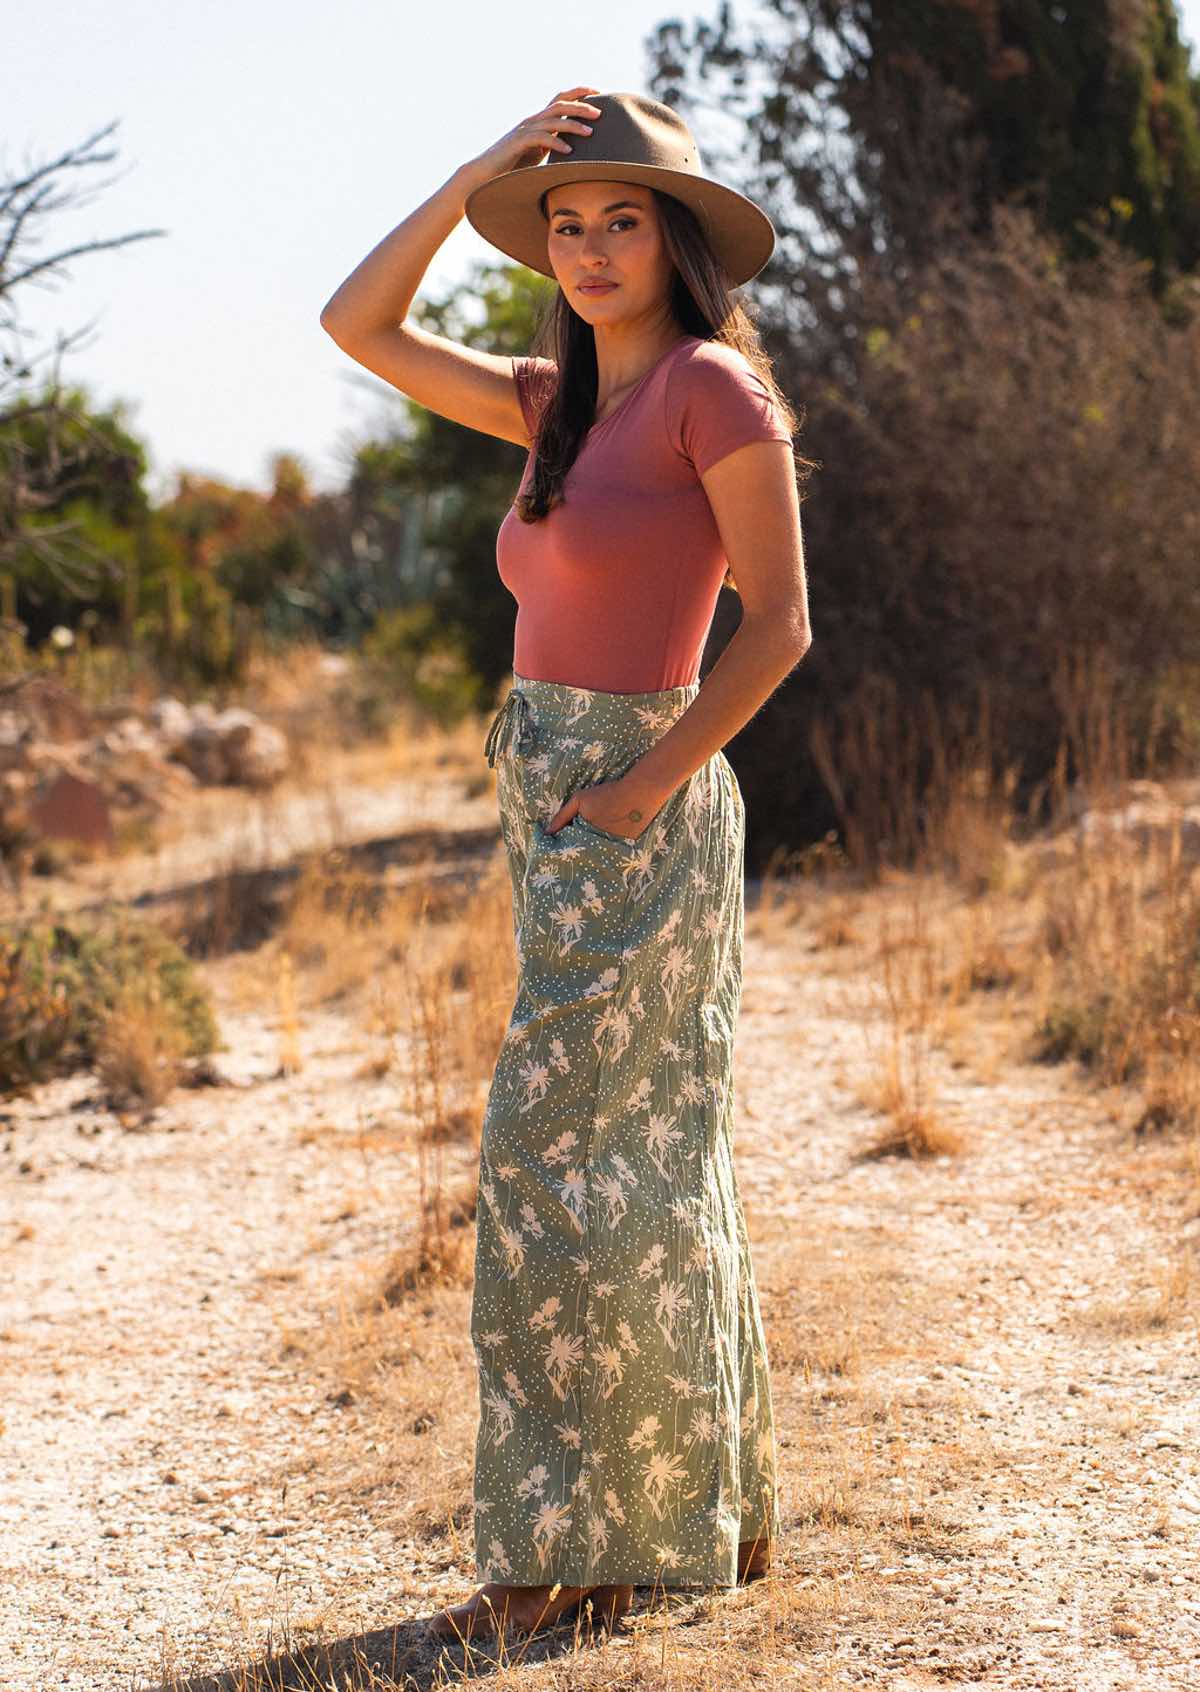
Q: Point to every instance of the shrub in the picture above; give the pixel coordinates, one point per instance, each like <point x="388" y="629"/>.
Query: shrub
<point x="63" y="983"/>
<point x="409" y="653"/>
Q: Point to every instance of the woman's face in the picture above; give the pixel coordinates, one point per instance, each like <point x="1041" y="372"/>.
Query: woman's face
<point x="608" y="231"/>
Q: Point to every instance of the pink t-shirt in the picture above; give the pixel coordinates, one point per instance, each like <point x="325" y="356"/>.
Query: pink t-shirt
<point x="617" y="586"/>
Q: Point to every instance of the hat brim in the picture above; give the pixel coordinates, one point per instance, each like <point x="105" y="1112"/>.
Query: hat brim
<point x="504" y="210"/>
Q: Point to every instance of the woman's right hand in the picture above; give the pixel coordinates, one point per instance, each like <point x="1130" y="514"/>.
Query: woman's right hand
<point x="529" y="141"/>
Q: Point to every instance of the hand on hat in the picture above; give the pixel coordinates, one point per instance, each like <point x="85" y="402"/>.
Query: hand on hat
<point x="529" y="141"/>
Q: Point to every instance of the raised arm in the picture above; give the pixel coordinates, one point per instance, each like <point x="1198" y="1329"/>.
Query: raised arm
<point x="366" y="314"/>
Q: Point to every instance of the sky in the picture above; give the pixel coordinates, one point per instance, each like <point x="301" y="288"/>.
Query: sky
<point x="275" y="142"/>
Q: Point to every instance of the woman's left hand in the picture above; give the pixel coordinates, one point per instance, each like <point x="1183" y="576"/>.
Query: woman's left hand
<point x="616" y="807"/>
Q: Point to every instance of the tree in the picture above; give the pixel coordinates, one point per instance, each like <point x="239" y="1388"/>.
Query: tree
<point x="984" y="297"/>
<point x="58" y="461"/>
<point x="873" y="129"/>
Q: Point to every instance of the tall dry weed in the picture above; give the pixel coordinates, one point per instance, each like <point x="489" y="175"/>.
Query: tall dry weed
<point x="1076" y="903"/>
<point x="458" y="992"/>
<point x="1118" y="943"/>
<point x="907" y="994"/>
<point x="915" y="789"/>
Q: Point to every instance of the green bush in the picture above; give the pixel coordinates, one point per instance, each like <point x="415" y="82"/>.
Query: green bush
<point x="1076" y="1030"/>
<point x="60" y="982"/>
<point x="412" y="653"/>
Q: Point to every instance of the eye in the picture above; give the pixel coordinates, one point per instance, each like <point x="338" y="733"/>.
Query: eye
<point x="566" y="228"/>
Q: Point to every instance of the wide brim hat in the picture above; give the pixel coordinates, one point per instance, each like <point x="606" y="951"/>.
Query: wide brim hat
<point x="635" y="140"/>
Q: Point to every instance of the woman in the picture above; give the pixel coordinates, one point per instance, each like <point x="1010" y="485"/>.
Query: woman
<point x="626" y="1432"/>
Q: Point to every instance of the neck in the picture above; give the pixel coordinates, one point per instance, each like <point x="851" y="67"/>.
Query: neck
<point x="623" y="356"/>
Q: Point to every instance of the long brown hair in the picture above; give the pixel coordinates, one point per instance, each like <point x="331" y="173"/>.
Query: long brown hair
<point x="702" y="304"/>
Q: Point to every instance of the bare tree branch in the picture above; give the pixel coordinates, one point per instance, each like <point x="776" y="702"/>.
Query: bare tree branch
<point x="50" y="448"/>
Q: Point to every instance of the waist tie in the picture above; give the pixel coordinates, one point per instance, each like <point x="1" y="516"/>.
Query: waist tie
<point x="498" y="736"/>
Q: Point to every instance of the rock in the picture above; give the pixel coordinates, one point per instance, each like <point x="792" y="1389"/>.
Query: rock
<point x="1141" y="825"/>
<point x="1133" y="816"/>
<point x="256" y="753"/>
<point x="16" y="735"/>
<point x="1077" y="802"/>
<point x="69" y="773"/>
<point x="201" y="751"/>
<point x="232" y="747"/>
<point x="70" y="808"/>
<point x="172" y="720"/>
<point x="1162" y="1437"/>
<point x="135" y="770"/>
<point x="129" y="734"/>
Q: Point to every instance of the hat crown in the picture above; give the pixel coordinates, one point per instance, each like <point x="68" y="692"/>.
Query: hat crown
<point x="633" y="129"/>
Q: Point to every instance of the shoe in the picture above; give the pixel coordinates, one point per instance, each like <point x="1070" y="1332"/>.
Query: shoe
<point x="754" y="1558"/>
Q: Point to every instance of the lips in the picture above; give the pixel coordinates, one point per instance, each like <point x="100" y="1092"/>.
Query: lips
<point x="596" y="287"/>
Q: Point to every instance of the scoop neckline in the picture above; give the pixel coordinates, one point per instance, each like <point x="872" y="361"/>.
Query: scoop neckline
<point x="642" y="379"/>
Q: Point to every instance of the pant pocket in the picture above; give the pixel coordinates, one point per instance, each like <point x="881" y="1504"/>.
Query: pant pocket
<point x="581" y="822"/>
<point x="655" y="832"/>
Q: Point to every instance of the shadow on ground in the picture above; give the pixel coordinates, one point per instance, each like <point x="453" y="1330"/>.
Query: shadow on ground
<point x="408" y="1656"/>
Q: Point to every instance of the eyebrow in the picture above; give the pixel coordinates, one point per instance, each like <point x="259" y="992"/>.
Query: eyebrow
<point x="616" y="206"/>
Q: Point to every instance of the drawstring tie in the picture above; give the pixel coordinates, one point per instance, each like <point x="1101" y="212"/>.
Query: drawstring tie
<point x="500" y="732"/>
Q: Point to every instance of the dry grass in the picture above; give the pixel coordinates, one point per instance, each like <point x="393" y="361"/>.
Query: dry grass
<point x="1064" y="943"/>
<point x="865" y="1488"/>
<point x="350" y="935"/>
<point x="140" y="1049"/>
<point x="977" y="945"/>
<point x="907" y="973"/>
<point x="427" y="971"/>
<point x="1167" y="1296"/>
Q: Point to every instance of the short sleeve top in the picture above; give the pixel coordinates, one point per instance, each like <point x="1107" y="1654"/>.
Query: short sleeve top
<point x="617" y="585"/>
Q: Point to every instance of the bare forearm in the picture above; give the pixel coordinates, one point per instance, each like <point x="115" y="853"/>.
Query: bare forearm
<point x="758" y="657"/>
<point x="379" y="292"/>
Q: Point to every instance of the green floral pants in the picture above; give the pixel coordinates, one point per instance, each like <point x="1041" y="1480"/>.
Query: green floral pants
<point x="625" y="1429"/>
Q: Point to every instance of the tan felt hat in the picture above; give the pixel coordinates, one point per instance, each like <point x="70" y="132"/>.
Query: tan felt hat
<point x="636" y="140"/>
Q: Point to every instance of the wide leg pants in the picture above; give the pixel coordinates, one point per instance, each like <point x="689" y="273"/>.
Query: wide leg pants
<point x="625" y="1430"/>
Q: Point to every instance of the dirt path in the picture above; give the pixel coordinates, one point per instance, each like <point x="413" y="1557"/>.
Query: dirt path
<point x="230" y="828"/>
<point x="986" y="1481"/>
<point x="1052" y="1464"/>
